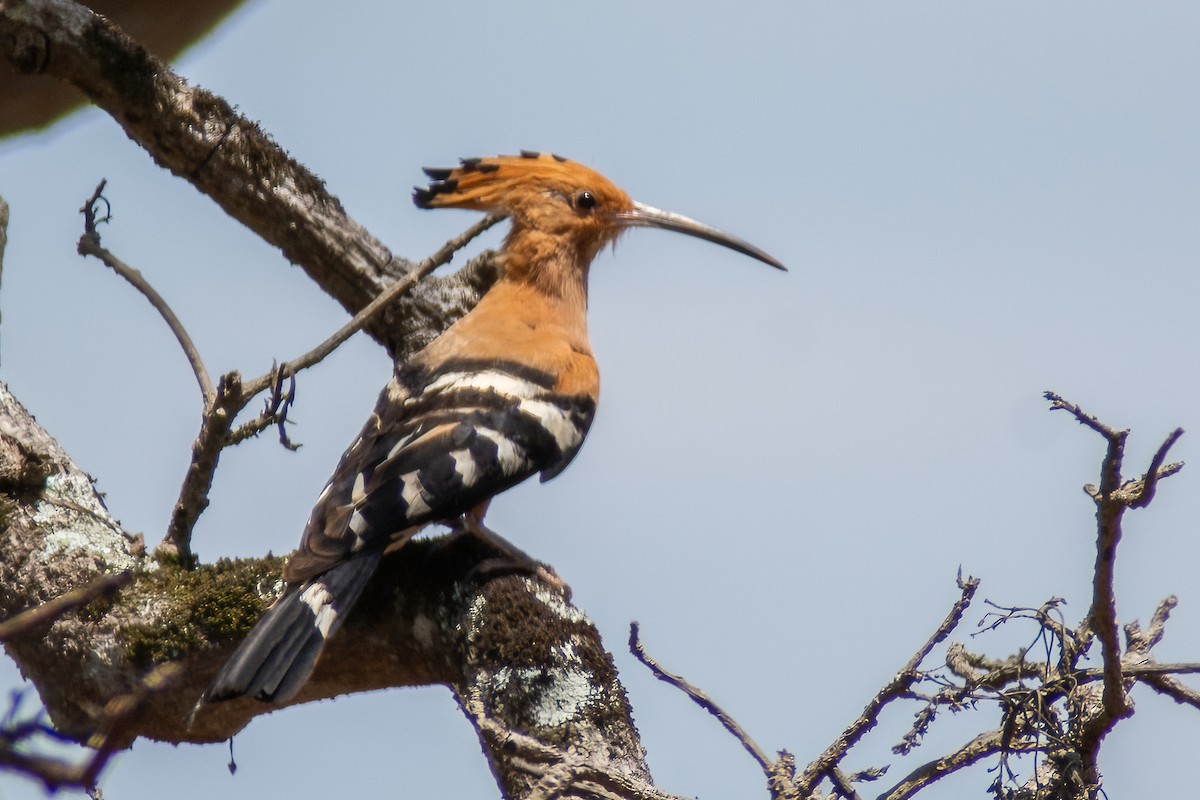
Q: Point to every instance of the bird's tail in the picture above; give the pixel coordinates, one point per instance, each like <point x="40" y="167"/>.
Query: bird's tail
<point x="275" y="660"/>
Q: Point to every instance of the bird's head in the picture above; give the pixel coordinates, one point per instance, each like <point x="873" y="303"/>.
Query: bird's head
<point x="558" y="205"/>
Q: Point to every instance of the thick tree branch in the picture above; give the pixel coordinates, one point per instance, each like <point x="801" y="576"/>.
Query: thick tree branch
<point x="516" y="653"/>
<point x="197" y="136"/>
<point x="429" y="625"/>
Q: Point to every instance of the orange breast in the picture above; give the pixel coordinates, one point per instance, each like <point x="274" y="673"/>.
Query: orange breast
<point x="517" y="323"/>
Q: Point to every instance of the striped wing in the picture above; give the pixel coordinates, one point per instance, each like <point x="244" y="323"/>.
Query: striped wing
<point x="437" y="446"/>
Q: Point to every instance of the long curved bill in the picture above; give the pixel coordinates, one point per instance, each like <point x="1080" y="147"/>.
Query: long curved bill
<point x="644" y="216"/>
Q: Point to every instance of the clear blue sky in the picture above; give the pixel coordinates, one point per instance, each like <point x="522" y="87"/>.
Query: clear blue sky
<point x="977" y="202"/>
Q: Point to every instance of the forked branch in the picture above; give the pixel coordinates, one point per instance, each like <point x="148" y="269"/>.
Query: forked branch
<point x="223" y="403"/>
<point x="1051" y="702"/>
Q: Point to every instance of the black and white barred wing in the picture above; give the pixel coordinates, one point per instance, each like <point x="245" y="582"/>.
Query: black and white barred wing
<point x="433" y="453"/>
<point x="424" y="456"/>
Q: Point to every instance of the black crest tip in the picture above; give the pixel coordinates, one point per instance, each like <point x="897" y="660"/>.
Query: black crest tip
<point x="422" y="198"/>
<point x="437" y="173"/>
<point x="530" y="154"/>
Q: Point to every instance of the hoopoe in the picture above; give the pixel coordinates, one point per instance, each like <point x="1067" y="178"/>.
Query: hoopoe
<point x="508" y="391"/>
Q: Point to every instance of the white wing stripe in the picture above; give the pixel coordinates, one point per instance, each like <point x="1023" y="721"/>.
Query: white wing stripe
<point x="320" y="602"/>
<point x="413" y="495"/>
<point x="556" y="422"/>
<point x="465" y="466"/>
<point x="511" y="458"/>
<point x="491" y="379"/>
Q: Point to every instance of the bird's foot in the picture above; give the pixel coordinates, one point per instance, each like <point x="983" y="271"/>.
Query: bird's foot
<point x="511" y="559"/>
<point x="505" y="565"/>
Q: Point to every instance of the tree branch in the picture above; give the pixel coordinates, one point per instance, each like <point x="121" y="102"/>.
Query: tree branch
<point x="89" y="245"/>
<point x="369" y="312"/>
<point x="507" y="645"/>
<point x="1111" y="498"/>
<point x="30" y="621"/>
<point x="979" y="748"/>
<point x="197" y="136"/>
<point x="700" y="698"/>
<point x="899" y="685"/>
<point x="232" y="396"/>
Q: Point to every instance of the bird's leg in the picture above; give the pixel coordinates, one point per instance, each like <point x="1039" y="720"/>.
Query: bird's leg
<point x="511" y="557"/>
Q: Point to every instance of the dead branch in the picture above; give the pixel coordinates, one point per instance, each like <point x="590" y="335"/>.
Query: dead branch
<point x="896" y="688"/>
<point x="111" y="736"/>
<point x="1174" y="689"/>
<point x="1050" y="704"/>
<point x="372" y="310"/>
<point x="275" y="412"/>
<point x="89" y="245"/>
<point x="198" y="137"/>
<point x="700" y="698"/>
<point x="1112" y="499"/>
<point x="213" y="437"/>
<point x="34" y="619"/>
<point x="974" y="751"/>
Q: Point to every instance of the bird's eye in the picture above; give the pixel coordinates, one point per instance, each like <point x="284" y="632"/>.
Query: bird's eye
<point x="585" y="201"/>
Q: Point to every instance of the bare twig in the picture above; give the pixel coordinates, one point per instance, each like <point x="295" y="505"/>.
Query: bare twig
<point x="701" y="699"/>
<point x="1174" y="689"/>
<point x="842" y="785"/>
<point x="275" y="412"/>
<point x="900" y="684"/>
<point x="1058" y="403"/>
<point x="368" y="313"/>
<point x="1137" y="641"/>
<point x="982" y="746"/>
<point x="1147" y="670"/>
<point x="34" y="619"/>
<point x="1158" y="622"/>
<point x="89" y="245"/>
<point x="118" y="715"/>
<point x="1103" y="614"/>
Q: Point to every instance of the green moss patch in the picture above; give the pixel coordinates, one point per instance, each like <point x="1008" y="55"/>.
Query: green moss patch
<point x="198" y="608"/>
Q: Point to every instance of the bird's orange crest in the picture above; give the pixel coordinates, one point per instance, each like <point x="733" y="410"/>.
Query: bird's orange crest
<point x="522" y="185"/>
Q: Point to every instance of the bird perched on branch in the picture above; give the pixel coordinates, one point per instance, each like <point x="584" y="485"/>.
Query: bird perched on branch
<point x="506" y="392"/>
